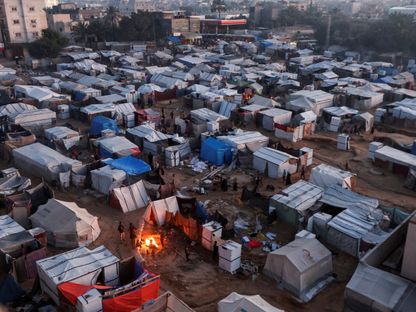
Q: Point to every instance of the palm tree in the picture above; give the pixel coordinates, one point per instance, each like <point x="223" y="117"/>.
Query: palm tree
<point x="111" y="19"/>
<point x="218" y="6"/>
<point x="80" y="33"/>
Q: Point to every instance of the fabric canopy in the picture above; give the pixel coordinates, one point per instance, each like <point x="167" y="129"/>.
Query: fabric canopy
<point x="72" y="291"/>
<point x="131" y="197"/>
<point x="129" y="164"/>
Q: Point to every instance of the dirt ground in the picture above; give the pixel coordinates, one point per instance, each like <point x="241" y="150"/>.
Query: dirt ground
<point x="199" y="282"/>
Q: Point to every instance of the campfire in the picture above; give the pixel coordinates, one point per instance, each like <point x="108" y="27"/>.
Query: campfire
<point x="151" y="243"/>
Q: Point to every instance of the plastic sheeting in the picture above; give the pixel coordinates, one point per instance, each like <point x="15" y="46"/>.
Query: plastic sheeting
<point x="71" y="291"/>
<point x="105" y="179"/>
<point x="100" y="123"/>
<point x="66" y="224"/>
<point x="133" y="300"/>
<point x="235" y="302"/>
<point x="43" y="161"/>
<point x="299" y="265"/>
<point x="325" y="176"/>
<point x="156" y="210"/>
<point x="216" y="152"/>
<point x="9" y="226"/>
<point x="129" y="164"/>
<point x="80" y="265"/>
<point x="339" y="197"/>
<point x="371" y="289"/>
<point x="131" y="197"/>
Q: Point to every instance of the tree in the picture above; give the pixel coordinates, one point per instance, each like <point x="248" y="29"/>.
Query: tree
<point x="112" y="19"/>
<point x="218" y="6"/>
<point x="80" y="33"/>
<point x="49" y="45"/>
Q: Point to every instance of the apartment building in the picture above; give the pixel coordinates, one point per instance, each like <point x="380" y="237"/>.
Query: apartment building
<point x="22" y="21"/>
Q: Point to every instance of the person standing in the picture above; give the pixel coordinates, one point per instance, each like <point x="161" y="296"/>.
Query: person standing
<point x="187" y="253"/>
<point x="302" y="173"/>
<point x="288" y="179"/>
<point x="172" y="115"/>
<point x="121" y="232"/>
<point x="133" y="235"/>
<point x="215" y="251"/>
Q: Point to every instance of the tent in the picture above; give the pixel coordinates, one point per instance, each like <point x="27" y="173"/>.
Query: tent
<point x="273" y="162"/>
<point x="66" y="224"/>
<point x="235" y="302"/>
<point x="295" y="201"/>
<point x="354" y="229"/>
<point x="129" y="164"/>
<point x="106" y="178"/>
<point x="216" y="152"/>
<point x="100" y="123"/>
<point x="64" y="135"/>
<point x="372" y="289"/>
<point x="273" y="116"/>
<point x="156" y="210"/>
<point x="325" y="176"/>
<point x="118" y="146"/>
<point x="43" y="161"/>
<point x="81" y="266"/>
<point x="245" y="140"/>
<point x="9" y="226"/>
<point x="130" y="198"/>
<point x="300" y="266"/>
<point x="33" y="118"/>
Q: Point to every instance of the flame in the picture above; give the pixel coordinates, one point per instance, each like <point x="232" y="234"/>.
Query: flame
<point x="151" y="242"/>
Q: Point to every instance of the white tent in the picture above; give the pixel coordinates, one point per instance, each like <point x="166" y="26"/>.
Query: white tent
<point x="37" y="117"/>
<point x="275" y="116"/>
<point x="11" y="110"/>
<point x="156" y="210"/>
<point x="235" y="302"/>
<point x="43" y="161"/>
<point x="326" y="176"/>
<point x="131" y="197"/>
<point x="299" y="266"/>
<point x="66" y="224"/>
<point x="295" y="201"/>
<point x="106" y="179"/>
<point x="9" y="226"/>
<point x="67" y="136"/>
<point x="81" y="266"/>
<point x="273" y="162"/>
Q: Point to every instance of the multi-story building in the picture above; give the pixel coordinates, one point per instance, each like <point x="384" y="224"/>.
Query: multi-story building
<point x="62" y="17"/>
<point x="177" y="23"/>
<point x="264" y="14"/>
<point x="22" y="21"/>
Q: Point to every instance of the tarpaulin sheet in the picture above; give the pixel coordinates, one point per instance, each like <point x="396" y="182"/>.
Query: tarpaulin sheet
<point x="100" y="123"/>
<point x="134" y="299"/>
<point x="216" y="152"/>
<point x="129" y="164"/>
<point x="71" y="291"/>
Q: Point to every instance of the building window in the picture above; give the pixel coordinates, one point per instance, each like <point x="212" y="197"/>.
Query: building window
<point x="35" y="34"/>
<point x="18" y="35"/>
<point x="15" y="22"/>
<point x="33" y="21"/>
<point x="14" y="9"/>
<point x="32" y="9"/>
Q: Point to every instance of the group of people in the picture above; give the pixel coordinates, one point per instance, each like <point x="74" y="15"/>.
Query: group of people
<point x="133" y="233"/>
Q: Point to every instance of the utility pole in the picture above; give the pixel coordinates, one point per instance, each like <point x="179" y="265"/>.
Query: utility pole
<point x="328" y="31"/>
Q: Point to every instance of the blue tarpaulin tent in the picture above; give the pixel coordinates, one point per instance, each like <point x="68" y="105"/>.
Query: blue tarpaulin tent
<point x="216" y="152"/>
<point x="129" y="164"/>
<point x="100" y="123"/>
<point x="174" y="39"/>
